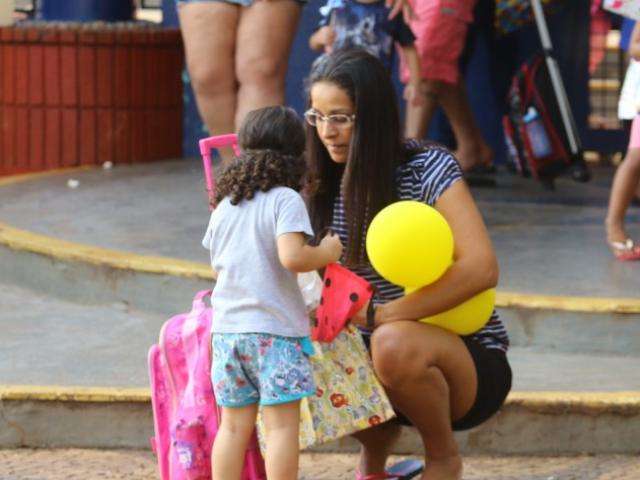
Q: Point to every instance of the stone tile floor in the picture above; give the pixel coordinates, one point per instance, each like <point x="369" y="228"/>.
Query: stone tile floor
<point x="72" y="464"/>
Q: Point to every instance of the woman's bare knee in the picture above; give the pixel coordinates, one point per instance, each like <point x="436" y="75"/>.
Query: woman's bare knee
<point x="261" y="72"/>
<point x="395" y="358"/>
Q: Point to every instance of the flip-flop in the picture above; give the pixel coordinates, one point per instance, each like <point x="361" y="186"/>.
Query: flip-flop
<point x="626" y="250"/>
<point x="403" y="470"/>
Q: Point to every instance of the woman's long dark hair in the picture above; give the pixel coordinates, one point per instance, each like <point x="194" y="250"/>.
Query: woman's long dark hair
<point x="272" y="141"/>
<point x="367" y="180"/>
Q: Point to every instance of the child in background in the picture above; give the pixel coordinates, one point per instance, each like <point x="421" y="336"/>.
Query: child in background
<point x="440" y="27"/>
<point x="257" y="238"/>
<point x="625" y="181"/>
<point x="366" y="24"/>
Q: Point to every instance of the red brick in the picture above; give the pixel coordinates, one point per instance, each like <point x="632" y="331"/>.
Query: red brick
<point x="139" y="148"/>
<point x="22" y="74"/>
<point x="69" y="77"/>
<point x="122" y="71"/>
<point x="123" y="136"/>
<point x="138" y="64"/>
<point x="105" y="76"/>
<point x="36" y="74"/>
<point x="8" y="138"/>
<point x="87" y="137"/>
<point x="36" y="139"/>
<point x="174" y="88"/>
<point x="105" y="133"/>
<point x="87" y="75"/>
<point x="151" y="73"/>
<point x="21" y="159"/>
<point x="9" y="74"/>
<point x="52" y="138"/>
<point x="52" y="69"/>
<point x="70" y="133"/>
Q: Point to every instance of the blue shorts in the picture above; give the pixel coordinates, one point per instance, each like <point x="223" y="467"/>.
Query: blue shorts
<point x="260" y="368"/>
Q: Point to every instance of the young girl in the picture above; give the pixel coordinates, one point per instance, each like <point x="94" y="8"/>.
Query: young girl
<point x="438" y="381"/>
<point x="257" y="238"/>
<point x="625" y="182"/>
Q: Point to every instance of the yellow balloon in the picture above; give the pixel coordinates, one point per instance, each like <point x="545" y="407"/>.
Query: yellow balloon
<point x="466" y="318"/>
<point x="410" y="243"/>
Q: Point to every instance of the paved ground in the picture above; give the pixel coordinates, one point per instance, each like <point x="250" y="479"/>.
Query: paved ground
<point x="547" y="242"/>
<point x="140" y="465"/>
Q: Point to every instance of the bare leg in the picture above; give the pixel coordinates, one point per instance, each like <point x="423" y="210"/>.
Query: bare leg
<point x="430" y="376"/>
<point x="209" y="31"/>
<point x="376" y="444"/>
<point x="472" y="150"/>
<point x="265" y="35"/>
<point x="230" y="444"/>
<point x="282" y="423"/>
<point x="625" y="183"/>
<point x="418" y="117"/>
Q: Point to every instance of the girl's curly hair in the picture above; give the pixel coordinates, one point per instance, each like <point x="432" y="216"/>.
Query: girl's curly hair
<point x="272" y="140"/>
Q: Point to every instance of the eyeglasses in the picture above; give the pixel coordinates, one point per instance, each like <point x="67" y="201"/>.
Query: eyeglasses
<point x="337" y="120"/>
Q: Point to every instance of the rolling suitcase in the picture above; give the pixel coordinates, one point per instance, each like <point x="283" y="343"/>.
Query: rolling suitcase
<point x="540" y="130"/>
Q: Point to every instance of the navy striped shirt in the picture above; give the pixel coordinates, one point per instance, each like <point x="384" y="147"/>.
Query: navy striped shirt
<point x="425" y="177"/>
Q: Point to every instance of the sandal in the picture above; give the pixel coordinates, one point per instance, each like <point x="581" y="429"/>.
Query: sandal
<point x="625" y="251"/>
<point x="403" y="470"/>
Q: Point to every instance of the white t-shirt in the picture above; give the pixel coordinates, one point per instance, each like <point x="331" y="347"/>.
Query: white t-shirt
<point x="254" y="293"/>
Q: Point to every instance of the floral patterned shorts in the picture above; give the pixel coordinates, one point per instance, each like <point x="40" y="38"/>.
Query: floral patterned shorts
<point x="260" y="368"/>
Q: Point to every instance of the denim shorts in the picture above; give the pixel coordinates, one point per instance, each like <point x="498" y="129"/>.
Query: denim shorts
<point x="242" y="3"/>
<point x="260" y="368"/>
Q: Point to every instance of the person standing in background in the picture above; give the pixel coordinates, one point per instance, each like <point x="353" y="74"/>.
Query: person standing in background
<point x="440" y="27"/>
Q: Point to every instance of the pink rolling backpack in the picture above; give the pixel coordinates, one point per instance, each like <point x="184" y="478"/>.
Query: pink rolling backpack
<point x="185" y="413"/>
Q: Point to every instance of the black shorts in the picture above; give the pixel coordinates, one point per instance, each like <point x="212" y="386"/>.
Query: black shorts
<point x="494" y="383"/>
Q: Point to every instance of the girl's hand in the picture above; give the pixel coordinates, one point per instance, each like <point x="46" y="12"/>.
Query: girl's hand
<point x="332" y="246"/>
<point x="324" y="38"/>
<point x="401" y="5"/>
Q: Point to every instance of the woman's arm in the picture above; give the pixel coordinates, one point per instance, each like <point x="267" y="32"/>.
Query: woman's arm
<point x="475" y="267"/>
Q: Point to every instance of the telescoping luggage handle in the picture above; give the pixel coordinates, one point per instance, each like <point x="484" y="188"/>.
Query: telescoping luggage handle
<point x="206" y="145"/>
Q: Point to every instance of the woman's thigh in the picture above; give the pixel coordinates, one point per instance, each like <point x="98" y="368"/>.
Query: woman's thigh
<point x="209" y="31"/>
<point x="412" y="346"/>
<point x="265" y="35"/>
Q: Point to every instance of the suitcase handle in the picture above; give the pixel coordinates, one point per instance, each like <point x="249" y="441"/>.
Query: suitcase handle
<point x="206" y="144"/>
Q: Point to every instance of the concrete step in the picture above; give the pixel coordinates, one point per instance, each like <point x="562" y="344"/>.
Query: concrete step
<point x="63" y="464"/>
<point x="66" y="273"/>
<point x="530" y="423"/>
<point x="105" y="345"/>
<point x="84" y="384"/>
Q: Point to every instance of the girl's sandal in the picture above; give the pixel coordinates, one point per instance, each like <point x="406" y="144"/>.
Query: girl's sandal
<point x="625" y="251"/>
<point x="403" y="470"/>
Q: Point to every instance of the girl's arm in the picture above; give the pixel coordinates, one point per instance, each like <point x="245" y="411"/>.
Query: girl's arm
<point x="475" y="267"/>
<point x="297" y="256"/>
<point x="322" y="39"/>
<point x="634" y="43"/>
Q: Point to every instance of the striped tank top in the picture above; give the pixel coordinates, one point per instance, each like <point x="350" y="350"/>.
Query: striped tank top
<point x="425" y="177"/>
